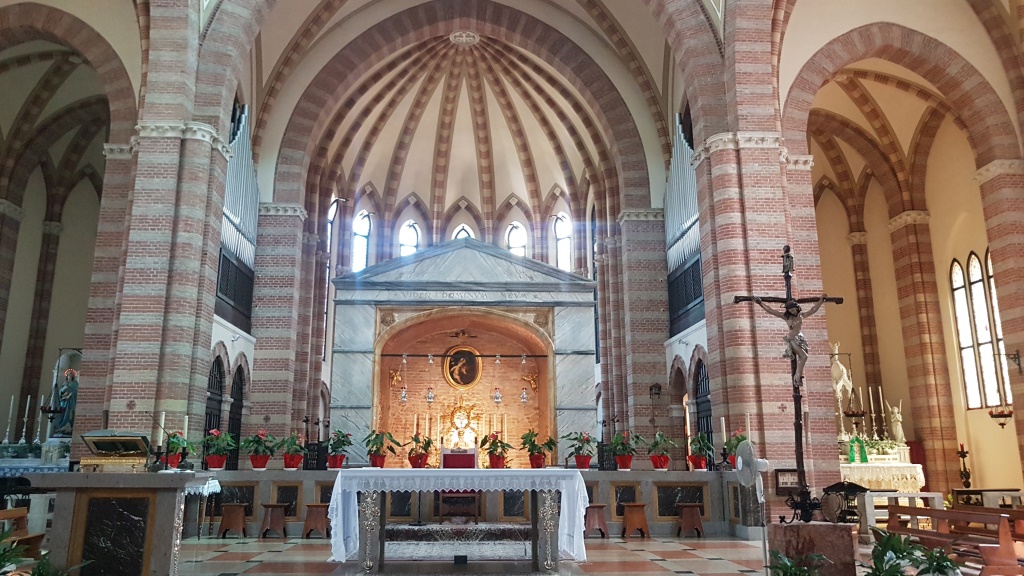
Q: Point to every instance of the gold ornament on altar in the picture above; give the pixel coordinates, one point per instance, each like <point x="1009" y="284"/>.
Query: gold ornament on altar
<point x="462" y="367"/>
<point x="531" y="379"/>
<point x="462" y="428"/>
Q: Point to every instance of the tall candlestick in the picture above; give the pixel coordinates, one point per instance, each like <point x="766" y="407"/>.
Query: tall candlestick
<point x="748" y="424"/>
<point x="39" y="421"/>
<point x="10" y="416"/>
<point x="725" y="434"/>
<point x="27" y="404"/>
<point x="881" y="400"/>
<point x="184" y="426"/>
<point x="24" y="422"/>
<point x="415" y="424"/>
<point x="871" y="413"/>
<point x="426" y="426"/>
<point x="504" y="424"/>
<point x="860" y="392"/>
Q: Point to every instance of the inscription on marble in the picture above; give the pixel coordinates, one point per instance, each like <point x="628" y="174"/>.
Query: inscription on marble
<point x="115" y="536"/>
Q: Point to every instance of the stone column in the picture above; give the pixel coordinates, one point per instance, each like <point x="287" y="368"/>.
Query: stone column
<point x="1002" y="195"/>
<point x="275" y="321"/>
<point x="645" y="314"/>
<point x="307" y="319"/>
<point x="40" y="320"/>
<point x="10" y="225"/>
<point x="866" y="309"/>
<point x="924" y="346"/>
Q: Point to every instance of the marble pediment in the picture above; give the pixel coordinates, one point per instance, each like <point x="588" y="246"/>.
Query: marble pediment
<point x="465" y="264"/>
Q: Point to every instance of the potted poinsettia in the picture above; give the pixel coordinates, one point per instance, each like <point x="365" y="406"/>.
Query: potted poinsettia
<point x="338" y="446"/>
<point x="260" y="446"/>
<point x="733" y="443"/>
<point x="537" y="451"/>
<point x="420" y="450"/>
<point x="218" y="445"/>
<point x="624" y="447"/>
<point x="581" y="445"/>
<point x="658" y="448"/>
<point x="176" y="445"/>
<point x="496" y="448"/>
<point x="701" y="449"/>
<point x="378" y="444"/>
<point x="293" y="451"/>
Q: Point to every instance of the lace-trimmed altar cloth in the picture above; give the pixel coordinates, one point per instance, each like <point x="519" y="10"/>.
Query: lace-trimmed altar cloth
<point x="344" y="511"/>
<point x="885" y="475"/>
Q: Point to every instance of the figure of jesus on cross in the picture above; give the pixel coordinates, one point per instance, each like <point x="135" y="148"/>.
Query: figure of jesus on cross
<point x="796" y="350"/>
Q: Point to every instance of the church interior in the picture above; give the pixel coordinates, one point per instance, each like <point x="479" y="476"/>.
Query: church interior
<point x="488" y="238"/>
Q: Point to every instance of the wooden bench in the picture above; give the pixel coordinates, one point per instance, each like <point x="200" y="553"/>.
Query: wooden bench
<point x="17" y="521"/>
<point x="952" y="532"/>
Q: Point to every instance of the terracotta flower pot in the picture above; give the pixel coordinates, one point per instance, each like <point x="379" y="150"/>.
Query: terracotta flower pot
<point x="660" y="461"/>
<point x="536" y="460"/>
<point x="732" y="460"/>
<point x="698" y="462"/>
<point x="335" y="461"/>
<point x="172" y="460"/>
<point x="624" y="463"/>
<point x="259" y="461"/>
<point x="583" y="462"/>
<point x="292" y="461"/>
<point x="377" y="460"/>
<point x="418" y="460"/>
<point x="216" y="461"/>
<point x="497" y="462"/>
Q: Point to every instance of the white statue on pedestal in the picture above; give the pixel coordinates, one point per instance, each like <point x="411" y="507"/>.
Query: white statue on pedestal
<point x="896" y="418"/>
<point x="841" y="383"/>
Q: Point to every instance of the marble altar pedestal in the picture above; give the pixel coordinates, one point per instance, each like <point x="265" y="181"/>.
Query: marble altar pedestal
<point x="837" y="542"/>
<point x="123" y="524"/>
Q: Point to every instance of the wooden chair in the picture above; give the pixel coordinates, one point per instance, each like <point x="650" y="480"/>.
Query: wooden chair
<point x="689" y="519"/>
<point x="17" y="521"/>
<point x="458" y="499"/>
<point x="634" y="517"/>
<point x="594" y="519"/>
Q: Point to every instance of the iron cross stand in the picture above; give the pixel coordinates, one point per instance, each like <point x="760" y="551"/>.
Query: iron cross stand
<point x="803" y="506"/>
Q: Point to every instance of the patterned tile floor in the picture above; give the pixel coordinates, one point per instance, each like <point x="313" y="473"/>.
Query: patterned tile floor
<point x="605" y="557"/>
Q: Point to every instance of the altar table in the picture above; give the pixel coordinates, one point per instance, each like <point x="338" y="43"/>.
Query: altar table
<point x="897" y="476"/>
<point x="346" y="513"/>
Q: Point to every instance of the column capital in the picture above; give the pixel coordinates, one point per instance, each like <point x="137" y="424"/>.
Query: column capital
<point x="997" y="168"/>
<point x="10" y="210"/>
<point x="736" y="141"/>
<point x="857" y="238"/>
<point x="309" y="239"/>
<point x="160" y="129"/>
<point x="54" y="228"/>
<point x="648" y="215"/>
<point x="283" y="209"/>
<point x="207" y="133"/>
<point x="118" y="151"/>
<point x="796" y="161"/>
<point x="907" y="218"/>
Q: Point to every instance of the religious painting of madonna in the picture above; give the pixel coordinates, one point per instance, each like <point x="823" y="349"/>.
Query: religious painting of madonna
<point x="462" y="367"/>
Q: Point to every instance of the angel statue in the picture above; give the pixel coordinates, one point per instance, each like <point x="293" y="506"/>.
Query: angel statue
<point x="896" y="418"/>
<point x="796" y="343"/>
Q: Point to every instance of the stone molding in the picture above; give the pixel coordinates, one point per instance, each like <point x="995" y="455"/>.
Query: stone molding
<point x="160" y="130"/>
<point x="735" y="141"/>
<point x="649" y="215"/>
<point x="283" y="209"/>
<point x="308" y="238"/>
<point x="857" y="238"/>
<point x="200" y="131"/>
<point x="118" y="151"/>
<point x="7" y="208"/>
<point x="54" y="228"/>
<point x="759" y="139"/>
<point x="187" y="131"/>
<point x="997" y="168"/>
<point x="907" y="218"/>
<point x="798" y="161"/>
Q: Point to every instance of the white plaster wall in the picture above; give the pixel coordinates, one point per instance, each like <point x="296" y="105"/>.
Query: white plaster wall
<point x="236" y="341"/>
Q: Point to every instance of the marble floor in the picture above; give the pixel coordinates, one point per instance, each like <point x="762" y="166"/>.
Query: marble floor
<point x="605" y="557"/>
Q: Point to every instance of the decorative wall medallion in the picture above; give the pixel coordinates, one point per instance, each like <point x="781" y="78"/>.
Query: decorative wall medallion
<point x="462" y="367"/>
<point x="387" y="319"/>
<point x="131" y="404"/>
<point x="541" y="319"/>
<point x="464" y="37"/>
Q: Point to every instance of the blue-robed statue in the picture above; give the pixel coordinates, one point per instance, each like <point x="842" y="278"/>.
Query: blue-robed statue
<point x="67" y="399"/>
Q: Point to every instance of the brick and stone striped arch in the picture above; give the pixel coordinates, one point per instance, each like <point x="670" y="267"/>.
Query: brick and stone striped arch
<point x="307" y="124"/>
<point x="680" y="384"/>
<point x="220" y="350"/>
<point x="241" y="362"/>
<point x="967" y="91"/>
<point x="26" y="22"/>
<point x="456" y="207"/>
<point x="699" y="353"/>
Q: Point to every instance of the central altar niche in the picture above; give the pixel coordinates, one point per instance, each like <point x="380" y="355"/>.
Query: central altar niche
<point x="466" y="324"/>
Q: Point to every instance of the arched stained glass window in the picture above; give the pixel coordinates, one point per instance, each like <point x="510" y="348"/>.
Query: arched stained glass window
<point x="998" y="324"/>
<point x="361" y="241"/>
<point x="563" y="242"/>
<point x="979" y="335"/>
<point x="515" y="239"/>
<point x="462" y="231"/>
<point x="408" y="238"/>
<point x="332" y="214"/>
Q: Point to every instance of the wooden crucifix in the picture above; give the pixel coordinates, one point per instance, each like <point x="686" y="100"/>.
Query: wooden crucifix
<point x="796" y="350"/>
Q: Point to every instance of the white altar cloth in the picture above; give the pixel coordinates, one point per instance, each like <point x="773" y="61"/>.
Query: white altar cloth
<point x="884" y="475"/>
<point x="344" y="512"/>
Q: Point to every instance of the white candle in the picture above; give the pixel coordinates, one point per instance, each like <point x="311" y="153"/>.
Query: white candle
<point x="426" y="426"/>
<point x="39" y="421"/>
<point x="27" y="404"/>
<point x="415" y="423"/>
<point x="504" y="424"/>
<point x="10" y="413"/>
<point x="184" y="426"/>
<point x="725" y="435"/>
<point x="871" y="399"/>
<point x="860" y="391"/>
<point x="881" y="400"/>
<point x="748" y="424"/>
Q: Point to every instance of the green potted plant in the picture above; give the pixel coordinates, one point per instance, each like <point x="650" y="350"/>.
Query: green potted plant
<point x="420" y="450"/>
<point x="624" y="447"/>
<point x="809" y="565"/>
<point x="218" y="445"/>
<point x="176" y="445"/>
<point x="260" y="446"/>
<point x="657" y="449"/>
<point x="496" y="448"/>
<point x="378" y="444"/>
<point x="537" y="451"/>
<point x="581" y="445"/>
<point x="337" y="447"/>
<point x="701" y="449"/>
<point x="733" y="443"/>
<point x="293" y="451"/>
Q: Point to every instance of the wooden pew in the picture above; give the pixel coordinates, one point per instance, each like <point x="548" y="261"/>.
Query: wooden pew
<point x="952" y="532"/>
<point x="17" y="520"/>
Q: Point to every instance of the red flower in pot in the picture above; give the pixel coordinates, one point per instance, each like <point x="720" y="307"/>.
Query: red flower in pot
<point x="260" y="446"/>
<point x="496" y="448"/>
<point x="581" y="446"/>
<point x="293" y="451"/>
<point x="218" y="445"/>
<point x="420" y="451"/>
<point x="337" y="447"/>
<point x="378" y="444"/>
<point x="538" y="452"/>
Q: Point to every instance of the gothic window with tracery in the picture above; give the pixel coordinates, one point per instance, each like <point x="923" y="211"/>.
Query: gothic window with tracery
<point x="408" y="238"/>
<point x="563" y="242"/>
<point x="979" y="334"/>
<point x="361" y="227"/>
<point x="462" y="231"/>
<point x="515" y="239"/>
